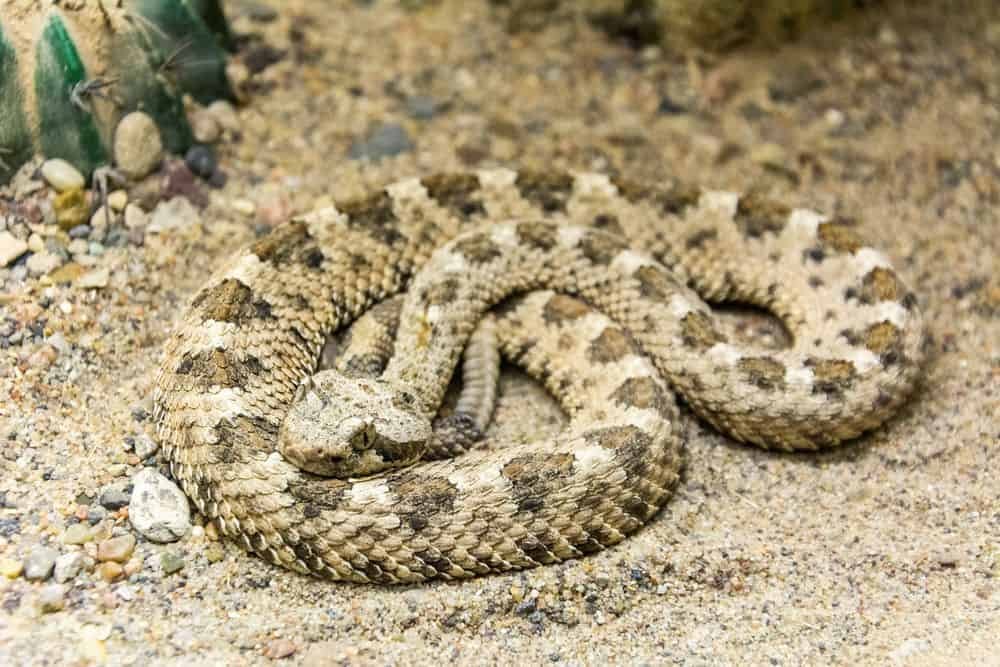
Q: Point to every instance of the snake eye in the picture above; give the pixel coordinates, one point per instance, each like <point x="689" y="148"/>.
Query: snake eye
<point x="406" y="397"/>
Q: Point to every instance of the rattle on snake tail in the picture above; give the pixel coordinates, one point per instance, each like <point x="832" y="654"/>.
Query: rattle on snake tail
<point x="255" y="331"/>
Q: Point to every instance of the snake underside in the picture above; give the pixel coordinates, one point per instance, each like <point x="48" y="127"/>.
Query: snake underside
<point x="256" y="329"/>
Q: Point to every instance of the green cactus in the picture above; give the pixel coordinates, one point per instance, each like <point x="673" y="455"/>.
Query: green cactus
<point x="150" y="54"/>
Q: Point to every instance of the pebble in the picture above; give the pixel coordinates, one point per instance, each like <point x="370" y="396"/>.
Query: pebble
<point x="68" y="566"/>
<point x="133" y="566"/>
<point x="159" y="510"/>
<point x="61" y="175"/>
<point x="177" y="213"/>
<point x="71" y="209"/>
<point x="78" y="533"/>
<point x="43" y="262"/>
<point x="80" y="232"/>
<point x="135" y="217"/>
<point x="205" y="126"/>
<point x="110" y="571"/>
<point x="180" y="181"/>
<point x="11" y="568"/>
<point x="39" y="563"/>
<point x="225" y="114"/>
<point x="421" y="107"/>
<point x="243" y="207"/>
<point x="96" y="514"/>
<point x="145" y="446"/>
<point x="52" y="598"/>
<point x="11" y="248"/>
<point x="36" y="243"/>
<point x="117" y="200"/>
<point x="385" y="140"/>
<point x="114" y="497"/>
<point x="137" y="147"/>
<point x="276" y="649"/>
<point x="171" y="562"/>
<point x="118" y="549"/>
<point x="201" y="160"/>
<point x="94" y="279"/>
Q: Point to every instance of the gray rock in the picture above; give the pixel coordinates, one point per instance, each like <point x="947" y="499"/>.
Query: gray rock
<point x="145" y="446"/>
<point x="138" y="147"/>
<point x="114" y="497"/>
<point x="39" y="564"/>
<point x="421" y="107"/>
<point x="385" y="140"/>
<point x="68" y="566"/>
<point x="159" y="510"/>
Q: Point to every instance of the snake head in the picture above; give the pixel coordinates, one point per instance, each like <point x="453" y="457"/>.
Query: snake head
<point x="351" y="427"/>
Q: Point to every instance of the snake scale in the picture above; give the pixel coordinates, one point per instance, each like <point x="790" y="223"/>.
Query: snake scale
<point x="646" y="256"/>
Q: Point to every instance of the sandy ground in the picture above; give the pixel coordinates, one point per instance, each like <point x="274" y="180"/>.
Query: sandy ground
<point x="885" y="551"/>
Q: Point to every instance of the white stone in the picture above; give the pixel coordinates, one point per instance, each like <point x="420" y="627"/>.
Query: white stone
<point x="117" y="200"/>
<point x="11" y="248"/>
<point x="68" y="566"/>
<point x="94" y="279"/>
<point x="158" y="509"/>
<point x="135" y="217"/>
<point x="61" y="175"/>
<point x="43" y="262"/>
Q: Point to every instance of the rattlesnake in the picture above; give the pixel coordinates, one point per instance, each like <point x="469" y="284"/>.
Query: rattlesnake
<point x="255" y="331"/>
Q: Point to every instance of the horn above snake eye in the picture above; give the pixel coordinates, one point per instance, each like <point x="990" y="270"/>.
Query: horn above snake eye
<point x="305" y="386"/>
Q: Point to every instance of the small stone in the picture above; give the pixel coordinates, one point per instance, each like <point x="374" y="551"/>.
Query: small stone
<point x="421" y="107"/>
<point x="110" y="571"/>
<point x="244" y="207"/>
<point x="137" y="146"/>
<point x="67" y="273"/>
<point x="276" y="649"/>
<point x="80" y="232"/>
<point x="135" y="217"/>
<point x="36" y="243"/>
<point x="117" y="200"/>
<point x="145" y="446"/>
<point x="205" y="127"/>
<point x="133" y="566"/>
<point x="11" y="248"/>
<point x="52" y="598"/>
<point x="171" y="562"/>
<point x="11" y="568"/>
<point x="180" y="181"/>
<point x="225" y="114"/>
<point x="178" y="213"/>
<point x="43" y="262"/>
<point x="385" y="140"/>
<point x="201" y="161"/>
<point x="96" y="514"/>
<point x="94" y="279"/>
<point x="159" y="510"/>
<point x="214" y="553"/>
<point x="39" y="563"/>
<point x="114" y="497"/>
<point x="77" y="247"/>
<point x="68" y="566"/>
<point x="118" y="549"/>
<point x="95" y="248"/>
<point x="78" y="533"/>
<point x="71" y="209"/>
<point x="61" y="175"/>
<point x="102" y="218"/>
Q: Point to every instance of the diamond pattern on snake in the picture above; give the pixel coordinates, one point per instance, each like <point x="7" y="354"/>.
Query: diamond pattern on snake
<point x="621" y="327"/>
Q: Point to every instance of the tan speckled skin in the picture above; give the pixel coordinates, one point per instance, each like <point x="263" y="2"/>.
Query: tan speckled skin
<point x="257" y="327"/>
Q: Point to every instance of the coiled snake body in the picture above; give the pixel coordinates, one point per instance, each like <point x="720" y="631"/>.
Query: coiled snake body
<point x="254" y="332"/>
